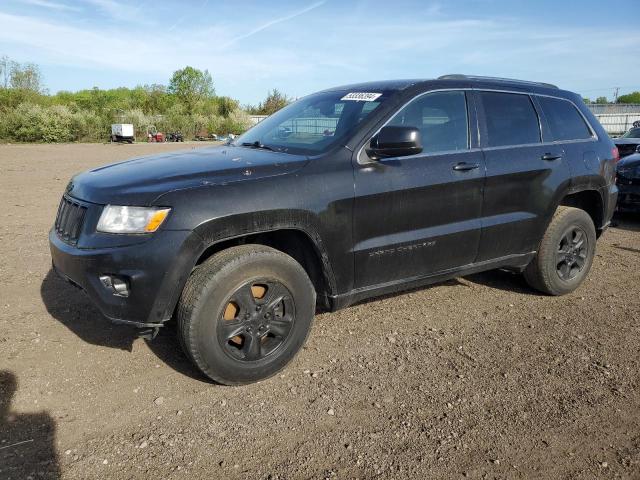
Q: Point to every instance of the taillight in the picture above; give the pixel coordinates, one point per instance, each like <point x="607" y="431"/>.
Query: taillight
<point x="615" y="153"/>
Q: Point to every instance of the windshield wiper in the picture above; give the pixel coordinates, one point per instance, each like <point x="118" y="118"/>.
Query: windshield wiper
<point x="257" y="144"/>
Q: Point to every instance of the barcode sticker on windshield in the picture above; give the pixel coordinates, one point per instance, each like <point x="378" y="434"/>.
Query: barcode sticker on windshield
<point x="361" y="96"/>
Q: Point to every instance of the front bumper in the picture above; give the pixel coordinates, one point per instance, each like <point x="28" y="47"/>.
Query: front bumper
<point x="628" y="198"/>
<point x="156" y="271"/>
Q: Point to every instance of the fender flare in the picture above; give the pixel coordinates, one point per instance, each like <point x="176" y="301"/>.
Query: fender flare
<point x="222" y="229"/>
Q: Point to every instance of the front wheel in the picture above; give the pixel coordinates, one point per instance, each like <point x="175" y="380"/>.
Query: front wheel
<point x="565" y="254"/>
<point x="245" y="313"/>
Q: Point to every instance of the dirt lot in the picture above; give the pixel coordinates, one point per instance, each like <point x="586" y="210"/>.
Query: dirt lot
<point x="478" y="377"/>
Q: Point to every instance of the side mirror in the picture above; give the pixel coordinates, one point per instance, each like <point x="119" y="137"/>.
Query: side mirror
<point x="395" y="142"/>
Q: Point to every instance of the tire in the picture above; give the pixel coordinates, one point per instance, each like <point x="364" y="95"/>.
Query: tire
<point x="230" y="332"/>
<point x="565" y="254"/>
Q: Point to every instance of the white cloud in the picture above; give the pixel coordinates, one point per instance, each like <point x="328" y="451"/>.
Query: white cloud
<point x="122" y="11"/>
<point x="51" y="5"/>
<point x="273" y="22"/>
<point x="300" y="55"/>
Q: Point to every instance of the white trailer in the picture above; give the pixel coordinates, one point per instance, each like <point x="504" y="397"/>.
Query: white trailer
<point x="122" y="132"/>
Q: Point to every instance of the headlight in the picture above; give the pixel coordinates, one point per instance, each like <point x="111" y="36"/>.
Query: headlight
<point x="121" y="219"/>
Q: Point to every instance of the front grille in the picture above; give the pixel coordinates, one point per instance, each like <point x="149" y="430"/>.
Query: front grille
<point x="628" y="175"/>
<point x="69" y="220"/>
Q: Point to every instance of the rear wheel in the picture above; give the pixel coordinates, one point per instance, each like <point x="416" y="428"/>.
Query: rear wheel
<point x="565" y="254"/>
<point x="245" y="313"/>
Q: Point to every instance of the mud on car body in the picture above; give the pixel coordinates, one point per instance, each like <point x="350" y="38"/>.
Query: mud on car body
<point x="346" y="194"/>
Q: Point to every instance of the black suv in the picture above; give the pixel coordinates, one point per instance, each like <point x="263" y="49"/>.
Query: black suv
<point x="346" y="194"/>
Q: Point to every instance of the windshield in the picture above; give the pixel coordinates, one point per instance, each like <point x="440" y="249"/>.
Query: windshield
<point x="313" y="124"/>
<point x="633" y="133"/>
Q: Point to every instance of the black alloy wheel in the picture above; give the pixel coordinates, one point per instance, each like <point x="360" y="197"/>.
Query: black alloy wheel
<point x="571" y="256"/>
<point x="257" y="320"/>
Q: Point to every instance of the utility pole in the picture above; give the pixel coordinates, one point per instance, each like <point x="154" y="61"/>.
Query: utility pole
<point x="615" y="94"/>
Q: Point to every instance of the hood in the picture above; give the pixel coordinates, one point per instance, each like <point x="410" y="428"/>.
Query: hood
<point x="626" y="141"/>
<point x="139" y="181"/>
<point x="629" y="161"/>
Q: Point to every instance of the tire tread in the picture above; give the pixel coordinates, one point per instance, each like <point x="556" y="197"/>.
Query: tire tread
<point x="194" y="290"/>
<point x="536" y="275"/>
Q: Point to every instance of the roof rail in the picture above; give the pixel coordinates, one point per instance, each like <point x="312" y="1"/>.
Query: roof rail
<point x="459" y="76"/>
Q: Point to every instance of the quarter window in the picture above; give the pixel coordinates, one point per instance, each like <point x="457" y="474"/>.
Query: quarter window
<point x="511" y="119"/>
<point x="564" y="120"/>
<point x="441" y="118"/>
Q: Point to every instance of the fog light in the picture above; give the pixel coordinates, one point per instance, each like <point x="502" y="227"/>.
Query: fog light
<point x="116" y="285"/>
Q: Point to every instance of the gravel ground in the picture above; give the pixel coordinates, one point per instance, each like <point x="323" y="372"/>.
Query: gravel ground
<point x="478" y="377"/>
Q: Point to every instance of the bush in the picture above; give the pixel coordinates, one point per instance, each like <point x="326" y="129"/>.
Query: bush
<point x="237" y="122"/>
<point x="139" y="120"/>
<point x="34" y="123"/>
<point x="88" y="126"/>
<point x="189" y="104"/>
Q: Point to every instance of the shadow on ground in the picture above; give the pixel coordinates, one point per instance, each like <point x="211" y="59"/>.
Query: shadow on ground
<point x="626" y="221"/>
<point x="499" y="279"/>
<point x="72" y="308"/>
<point x="503" y="280"/>
<point x="27" y="441"/>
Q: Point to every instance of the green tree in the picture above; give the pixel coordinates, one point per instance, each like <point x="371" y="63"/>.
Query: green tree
<point x="602" y="100"/>
<point x="30" y="114"/>
<point x="226" y="105"/>
<point x="191" y="86"/>
<point x="633" y="97"/>
<point x="275" y="101"/>
<point x="25" y="76"/>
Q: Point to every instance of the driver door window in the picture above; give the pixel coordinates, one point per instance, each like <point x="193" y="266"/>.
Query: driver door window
<point x="441" y="118"/>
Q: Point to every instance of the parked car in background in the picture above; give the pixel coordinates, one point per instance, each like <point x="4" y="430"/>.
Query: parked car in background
<point x="204" y="137"/>
<point x="629" y="143"/>
<point x="418" y="181"/>
<point x="628" y="181"/>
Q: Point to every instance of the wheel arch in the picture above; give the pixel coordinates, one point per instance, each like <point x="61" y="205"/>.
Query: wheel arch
<point x="302" y="243"/>
<point x="588" y="199"/>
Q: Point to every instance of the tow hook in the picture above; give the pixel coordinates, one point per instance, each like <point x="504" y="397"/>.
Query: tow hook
<point x="148" y="333"/>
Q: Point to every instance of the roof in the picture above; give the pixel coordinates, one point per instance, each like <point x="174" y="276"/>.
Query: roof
<point x="396" y="85"/>
<point x="510" y="81"/>
<point x="381" y="85"/>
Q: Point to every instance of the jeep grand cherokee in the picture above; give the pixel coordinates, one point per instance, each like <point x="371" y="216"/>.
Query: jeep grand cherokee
<point x="345" y="194"/>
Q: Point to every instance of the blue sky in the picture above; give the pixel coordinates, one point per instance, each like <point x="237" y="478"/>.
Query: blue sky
<point x="302" y="46"/>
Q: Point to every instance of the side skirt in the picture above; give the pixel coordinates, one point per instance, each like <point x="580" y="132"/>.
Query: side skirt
<point x="516" y="262"/>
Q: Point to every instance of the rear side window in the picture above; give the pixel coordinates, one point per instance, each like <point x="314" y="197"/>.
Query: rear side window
<point x="441" y="118"/>
<point x="511" y="119"/>
<point x="564" y="120"/>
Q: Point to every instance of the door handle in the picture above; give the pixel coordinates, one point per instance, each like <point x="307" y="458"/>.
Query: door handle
<point x="464" y="166"/>
<point x="550" y="157"/>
